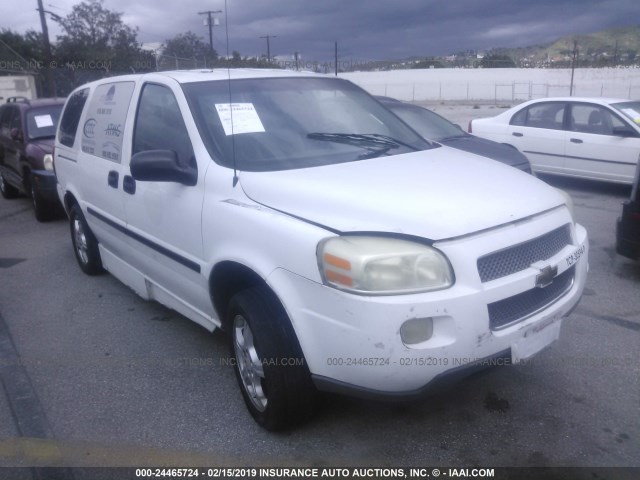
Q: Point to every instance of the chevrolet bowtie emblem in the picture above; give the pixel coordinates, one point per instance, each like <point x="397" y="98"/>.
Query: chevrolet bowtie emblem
<point x="546" y="276"/>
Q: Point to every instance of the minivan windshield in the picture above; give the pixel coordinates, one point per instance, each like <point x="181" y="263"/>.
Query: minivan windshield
<point x="295" y="122"/>
<point x="42" y="121"/>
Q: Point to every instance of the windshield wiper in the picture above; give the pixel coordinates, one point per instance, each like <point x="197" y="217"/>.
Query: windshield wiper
<point x="365" y="140"/>
<point x="453" y="137"/>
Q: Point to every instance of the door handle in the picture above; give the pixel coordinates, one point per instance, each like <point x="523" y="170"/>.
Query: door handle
<point x="112" y="179"/>
<point x="517" y="134"/>
<point x="576" y="140"/>
<point x="129" y="184"/>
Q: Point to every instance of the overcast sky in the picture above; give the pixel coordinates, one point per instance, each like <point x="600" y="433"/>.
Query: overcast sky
<point x="364" y="29"/>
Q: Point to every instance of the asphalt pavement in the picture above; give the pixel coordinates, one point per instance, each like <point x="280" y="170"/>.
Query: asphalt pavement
<point x="121" y="381"/>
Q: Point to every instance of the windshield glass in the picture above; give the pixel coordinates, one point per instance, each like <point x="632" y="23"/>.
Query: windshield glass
<point x="288" y="123"/>
<point x="42" y="121"/>
<point x="631" y="110"/>
<point x="428" y="124"/>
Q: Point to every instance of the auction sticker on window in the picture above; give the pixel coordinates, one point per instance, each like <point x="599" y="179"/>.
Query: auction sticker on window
<point x="43" y="121"/>
<point x="239" y="118"/>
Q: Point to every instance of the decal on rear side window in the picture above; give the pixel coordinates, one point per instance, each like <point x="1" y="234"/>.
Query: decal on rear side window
<point x="102" y="132"/>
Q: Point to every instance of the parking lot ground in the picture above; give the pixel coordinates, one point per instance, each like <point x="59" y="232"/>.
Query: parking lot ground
<point x="123" y="381"/>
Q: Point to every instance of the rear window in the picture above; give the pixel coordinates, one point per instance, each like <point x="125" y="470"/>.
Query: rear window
<point x="71" y="117"/>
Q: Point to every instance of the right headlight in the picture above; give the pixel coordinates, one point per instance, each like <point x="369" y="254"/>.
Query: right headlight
<point x="382" y="265"/>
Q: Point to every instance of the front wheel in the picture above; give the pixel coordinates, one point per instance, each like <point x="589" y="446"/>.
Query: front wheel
<point x="269" y="364"/>
<point x="85" y="244"/>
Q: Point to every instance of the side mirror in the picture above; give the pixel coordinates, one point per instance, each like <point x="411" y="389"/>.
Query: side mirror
<point x="162" y="166"/>
<point x="15" y="134"/>
<point x="624" y="132"/>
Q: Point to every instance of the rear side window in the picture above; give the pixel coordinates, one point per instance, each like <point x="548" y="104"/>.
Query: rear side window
<point x="7" y="119"/>
<point x="548" y="115"/>
<point x="71" y="117"/>
<point x="103" y="129"/>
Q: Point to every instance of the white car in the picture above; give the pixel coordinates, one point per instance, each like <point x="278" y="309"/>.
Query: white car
<point x="595" y="138"/>
<point x="341" y="250"/>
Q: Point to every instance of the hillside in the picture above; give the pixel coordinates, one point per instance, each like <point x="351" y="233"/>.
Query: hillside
<point x="619" y="45"/>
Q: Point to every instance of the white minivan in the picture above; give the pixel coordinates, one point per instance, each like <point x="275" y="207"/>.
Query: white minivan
<point x="341" y="250"/>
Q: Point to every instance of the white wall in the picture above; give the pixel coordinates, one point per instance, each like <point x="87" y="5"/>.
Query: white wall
<point x="506" y="84"/>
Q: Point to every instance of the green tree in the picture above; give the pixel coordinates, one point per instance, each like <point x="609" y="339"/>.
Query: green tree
<point x="189" y="45"/>
<point x="25" y="49"/>
<point x="497" y="61"/>
<point x="96" y="42"/>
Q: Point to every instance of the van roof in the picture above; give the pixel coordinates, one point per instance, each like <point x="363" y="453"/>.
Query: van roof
<point x="191" y="76"/>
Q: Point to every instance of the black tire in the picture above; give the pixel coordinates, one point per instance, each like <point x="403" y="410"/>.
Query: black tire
<point x="272" y="372"/>
<point x="85" y="245"/>
<point x="43" y="210"/>
<point x="7" y="191"/>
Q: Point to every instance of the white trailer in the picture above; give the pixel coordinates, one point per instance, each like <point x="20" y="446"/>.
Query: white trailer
<point x="17" y="86"/>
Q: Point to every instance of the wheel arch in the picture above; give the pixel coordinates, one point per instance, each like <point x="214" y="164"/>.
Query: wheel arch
<point x="227" y="278"/>
<point x="69" y="200"/>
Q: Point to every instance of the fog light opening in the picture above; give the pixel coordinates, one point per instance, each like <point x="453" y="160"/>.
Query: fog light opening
<point x="416" y="330"/>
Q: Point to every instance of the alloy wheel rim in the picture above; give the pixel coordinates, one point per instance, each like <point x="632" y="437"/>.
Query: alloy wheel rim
<point x="249" y="363"/>
<point x="81" y="241"/>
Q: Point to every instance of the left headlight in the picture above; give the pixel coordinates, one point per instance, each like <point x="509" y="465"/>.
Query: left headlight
<point x="382" y="266"/>
<point x="48" y="162"/>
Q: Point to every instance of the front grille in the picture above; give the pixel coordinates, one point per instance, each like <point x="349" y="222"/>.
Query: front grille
<point x="514" y="259"/>
<point x="525" y="304"/>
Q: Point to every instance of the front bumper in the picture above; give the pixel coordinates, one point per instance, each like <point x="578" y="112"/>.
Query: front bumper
<point x="628" y="231"/>
<point x="353" y="343"/>
<point x="44" y="182"/>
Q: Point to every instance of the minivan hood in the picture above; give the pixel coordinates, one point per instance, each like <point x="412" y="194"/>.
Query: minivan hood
<point x="435" y="194"/>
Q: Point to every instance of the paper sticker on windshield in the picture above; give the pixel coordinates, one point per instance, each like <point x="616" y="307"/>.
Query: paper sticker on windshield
<point x="43" y="121"/>
<point x="244" y="116"/>
<point x="632" y="113"/>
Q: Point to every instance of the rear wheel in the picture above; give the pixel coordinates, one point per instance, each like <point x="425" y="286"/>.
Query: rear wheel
<point x="85" y="245"/>
<point x="7" y="191"/>
<point x="270" y="367"/>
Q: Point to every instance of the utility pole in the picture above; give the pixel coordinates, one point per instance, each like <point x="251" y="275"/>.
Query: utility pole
<point x="268" y="46"/>
<point x="296" y="56"/>
<point x="51" y="82"/>
<point x="573" y="65"/>
<point x="335" y="56"/>
<point x="209" y="21"/>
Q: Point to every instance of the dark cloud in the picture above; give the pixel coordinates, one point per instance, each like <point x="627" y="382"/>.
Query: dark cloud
<point x="365" y="29"/>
